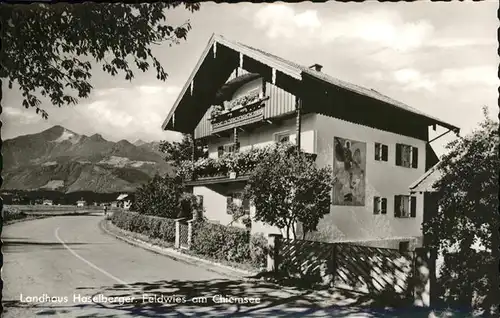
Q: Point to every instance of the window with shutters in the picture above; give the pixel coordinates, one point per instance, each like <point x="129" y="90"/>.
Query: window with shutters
<point x="284" y="136"/>
<point x="379" y="205"/>
<point x="405" y="206"/>
<point x="237" y="199"/>
<point x="406" y="156"/>
<point x="381" y="152"/>
<point x="228" y="148"/>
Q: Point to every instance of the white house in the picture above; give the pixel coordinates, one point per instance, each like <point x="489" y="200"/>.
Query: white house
<point x="124" y="201"/>
<point x="239" y="97"/>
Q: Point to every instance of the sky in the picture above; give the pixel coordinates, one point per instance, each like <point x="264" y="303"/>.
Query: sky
<point x="437" y="57"/>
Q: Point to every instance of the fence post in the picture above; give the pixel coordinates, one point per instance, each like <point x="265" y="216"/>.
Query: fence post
<point x="273" y="243"/>
<point x="177" y="234"/>
<point x="422" y="266"/>
<point x="190" y="233"/>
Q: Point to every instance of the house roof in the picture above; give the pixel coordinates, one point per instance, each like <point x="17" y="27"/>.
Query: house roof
<point x="296" y="71"/>
<point x="426" y="182"/>
<point x="121" y="197"/>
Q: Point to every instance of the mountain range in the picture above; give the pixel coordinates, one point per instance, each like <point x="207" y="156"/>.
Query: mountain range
<point x="60" y="159"/>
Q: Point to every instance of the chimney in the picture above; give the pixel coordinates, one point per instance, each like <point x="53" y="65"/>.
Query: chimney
<point x="316" y="67"/>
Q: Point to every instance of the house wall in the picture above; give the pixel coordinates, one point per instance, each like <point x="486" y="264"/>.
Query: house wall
<point x="383" y="179"/>
<point x="264" y="136"/>
<point x="280" y="102"/>
<point x="215" y="207"/>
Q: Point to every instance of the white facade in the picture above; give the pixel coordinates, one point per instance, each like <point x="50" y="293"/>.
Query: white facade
<point x="383" y="178"/>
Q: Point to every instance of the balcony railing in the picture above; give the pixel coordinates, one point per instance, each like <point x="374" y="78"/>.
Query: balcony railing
<point x="229" y="165"/>
<point x="240" y="111"/>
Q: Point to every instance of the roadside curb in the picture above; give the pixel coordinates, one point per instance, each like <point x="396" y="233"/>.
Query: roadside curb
<point x="177" y="255"/>
<point x="38" y="217"/>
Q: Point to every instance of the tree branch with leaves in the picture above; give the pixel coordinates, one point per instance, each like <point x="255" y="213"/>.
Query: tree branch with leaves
<point x="48" y="49"/>
<point x="468" y="198"/>
<point x="287" y="188"/>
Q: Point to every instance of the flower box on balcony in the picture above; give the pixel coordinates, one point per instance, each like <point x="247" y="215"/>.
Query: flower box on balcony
<point x="237" y="108"/>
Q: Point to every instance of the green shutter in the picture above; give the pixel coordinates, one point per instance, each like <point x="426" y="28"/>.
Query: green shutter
<point x="398" y="154"/>
<point x="385" y="153"/>
<point x="413" y="207"/>
<point x="414" y="159"/>
<point x="384" y="206"/>
<point x="397" y="206"/>
<point x="377" y="151"/>
<point x="375" y="205"/>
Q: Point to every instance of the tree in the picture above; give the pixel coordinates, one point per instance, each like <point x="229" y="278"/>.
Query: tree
<point x="468" y="198"/>
<point x="160" y="197"/>
<point x="177" y="152"/>
<point x="287" y="187"/>
<point x="47" y="49"/>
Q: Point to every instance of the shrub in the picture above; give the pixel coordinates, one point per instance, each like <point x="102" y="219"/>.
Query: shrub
<point x="151" y="226"/>
<point x="12" y="213"/>
<point x="160" y="197"/>
<point x="259" y="250"/>
<point x="221" y="242"/>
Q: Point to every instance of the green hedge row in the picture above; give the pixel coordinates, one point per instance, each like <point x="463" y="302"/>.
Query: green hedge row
<point x="227" y="243"/>
<point x="12" y="213"/>
<point x="152" y="226"/>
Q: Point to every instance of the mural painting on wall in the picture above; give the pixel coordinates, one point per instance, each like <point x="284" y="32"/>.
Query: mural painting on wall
<point x="349" y="169"/>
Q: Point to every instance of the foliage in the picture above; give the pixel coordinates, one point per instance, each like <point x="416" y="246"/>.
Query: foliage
<point x="179" y="152"/>
<point x="48" y="48"/>
<point x="12" y="213"/>
<point x="152" y="226"/>
<point x="221" y="242"/>
<point x="242" y="162"/>
<point x="259" y="249"/>
<point x="227" y="243"/>
<point x="287" y="187"/>
<point x="468" y="198"/>
<point x="160" y="197"/>
<point x="189" y="205"/>
<point x="239" y="215"/>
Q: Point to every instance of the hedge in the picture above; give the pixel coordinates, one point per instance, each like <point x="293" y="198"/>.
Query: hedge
<point x="12" y="213"/>
<point x="228" y="243"/>
<point x="153" y="226"/>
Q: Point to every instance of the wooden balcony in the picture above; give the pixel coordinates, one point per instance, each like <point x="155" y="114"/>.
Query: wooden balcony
<point x="245" y="110"/>
<point x="212" y="171"/>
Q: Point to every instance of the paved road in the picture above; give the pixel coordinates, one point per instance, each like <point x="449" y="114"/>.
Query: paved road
<point x="70" y="256"/>
<point x="72" y="260"/>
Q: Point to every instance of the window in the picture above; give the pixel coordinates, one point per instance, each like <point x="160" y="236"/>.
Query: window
<point x="381" y="152"/>
<point x="236" y="198"/>
<point x="285" y="136"/>
<point x="228" y="148"/>
<point x="405" y="206"/>
<point x="406" y="156"/>
<point x="379" y="205"/>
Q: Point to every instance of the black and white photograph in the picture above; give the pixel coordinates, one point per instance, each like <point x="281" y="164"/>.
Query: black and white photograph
<point x="274" y="159"/>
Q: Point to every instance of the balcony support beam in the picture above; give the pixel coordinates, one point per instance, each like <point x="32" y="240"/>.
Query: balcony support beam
<point x="298" y="123"/>
<point x="193" y="152"/>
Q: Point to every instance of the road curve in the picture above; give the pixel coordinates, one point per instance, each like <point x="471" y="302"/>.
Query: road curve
<point x="71" y="258"/>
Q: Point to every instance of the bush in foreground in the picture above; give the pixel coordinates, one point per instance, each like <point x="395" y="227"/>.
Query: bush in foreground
<point x="11" y="213"/>
<point x="152" y="226"/>
<point x="229" y="244"/>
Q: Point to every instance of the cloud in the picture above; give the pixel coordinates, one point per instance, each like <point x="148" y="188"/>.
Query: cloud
<point x="482" y="75"/>
<point x="21" y="115"/>
<point x="383" y="27"/>
<point x="407" y="79"/>
<point x="282" y="21"/>
<point x="411" y="79"/>
<point x="131" y="113"/>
